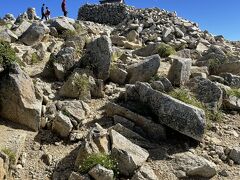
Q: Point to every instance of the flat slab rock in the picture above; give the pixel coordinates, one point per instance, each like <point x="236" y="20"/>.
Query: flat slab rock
<point x="194" y="165"/>
<point x="128" y="155"/>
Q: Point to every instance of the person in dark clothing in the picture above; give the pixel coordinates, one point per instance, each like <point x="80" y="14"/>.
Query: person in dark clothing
<point x="42" y="11"/>
<point x="64" y="8"/>
<point x="47" y="14"/>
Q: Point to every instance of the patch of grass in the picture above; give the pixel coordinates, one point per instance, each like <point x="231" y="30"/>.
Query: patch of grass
<point x="116" y="55"/>
<point x="187" y="97"/>
<point x="234" y="92"/>
<point x="165" y="50"/>
<point x="100" y="158"/>
<point x="67" y="34"/>
<point x="11" y="155"/>
<point x="82" y="83"/>
<point x="35" y="58"/>
<point x="7" y="55"/>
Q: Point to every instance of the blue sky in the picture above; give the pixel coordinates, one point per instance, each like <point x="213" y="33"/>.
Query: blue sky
<point x="217" y="16"/>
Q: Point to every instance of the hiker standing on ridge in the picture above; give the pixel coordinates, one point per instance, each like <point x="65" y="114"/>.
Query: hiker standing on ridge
<point x="42" y="11"/>
<point x="47" y="14"/>
<point x="64" y="8"/>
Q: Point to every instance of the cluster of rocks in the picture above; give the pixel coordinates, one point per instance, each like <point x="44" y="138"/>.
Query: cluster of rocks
<point x="70" y="65"/>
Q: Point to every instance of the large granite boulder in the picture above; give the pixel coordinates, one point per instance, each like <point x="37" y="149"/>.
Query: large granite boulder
<point x="180" y="71"/>
<point x="34" y="34"/>
<point x="144" y="70"/>
<point x="207" y="92"/>
<point x="184" y="118"/>
<point x="18" y="101"/>
<point x="98" y="57"/>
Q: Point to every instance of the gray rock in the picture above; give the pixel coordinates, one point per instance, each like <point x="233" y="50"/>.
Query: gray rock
<point x="101" y="173"/>
<point x="18" y="100"/>
<point x="180" y="71"/>
<point x="75" y="109"/>
<point x="99" y="56"/>
<point x="175" y="114"/>
<point x="22" y="28"/>
<point x="144" y="70"/>
<point x="118" y="75"/>
<point x="128" y="155"/>
<point x="148" y="50"/>
<point x="235" y="155"/>
<point x="62" y="24"/>
<point x="34" y="34"/>
<point x="231" y="80"/>
<point x="158" y="85"/>
<point x="207" y="92"/>
<point x="77" y="176"/>
<point x="195" y="165"/>
<point x="8" y="36"/>
<point x="63" y="62"/>
<point x="152" y="129"/>
<point x="145" y="172"/>
<point x="62" y="125"/>
<point x="77" y="86"/>
<point x="231" y="103"/>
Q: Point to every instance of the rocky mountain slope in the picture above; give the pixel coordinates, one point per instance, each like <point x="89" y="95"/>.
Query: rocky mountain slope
<point x="120" y="93"/>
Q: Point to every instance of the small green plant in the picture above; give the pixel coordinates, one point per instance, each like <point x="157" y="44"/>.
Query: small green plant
<point x="234" y="92"/>
<point x="11" y="155"/>
<point x="99" y="158"/>
<point x="165" y="50"/>
<point x="187" y="97"/>
<point x="116" y="55"/>
<point x="35" y="58"/>
<point x="67" y="34"/>
<point x="7" y="54"/>
<point x="82" y="83"/>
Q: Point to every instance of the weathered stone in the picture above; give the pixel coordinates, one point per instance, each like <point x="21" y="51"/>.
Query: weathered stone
<point x="8" y="36"/>
<point x="97" y="141"/>
<point x="179" y="72"/>
<point x="63" y="62"/>
<point x="145" y="172"/>
<point x="128" y="155"/>
<point x="24" y="25"/>
<point x="99" y="56"/>
<point x="153" y="130"/>
<point x="118" y="75"/>
<point x="235" y="155"/>
<point x="148" y="50"/>
<point x="76" y="109"/>
<point x="133" y="137"/>
<point x="184" y="118"/>
<point x="231" y="80"/>
<point x="62" y="24"/>
<point x="207" y="92"/>
<point x="2" y="169"/>
<point x="101" y="173"/>
<point x="62" y="125"/>
<point x="77" y="176"/>
<point x="34" y="34"/>
<point x="195" y="165"/>
<point x="144" y="70"/>
<point x="18" y="100"/>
